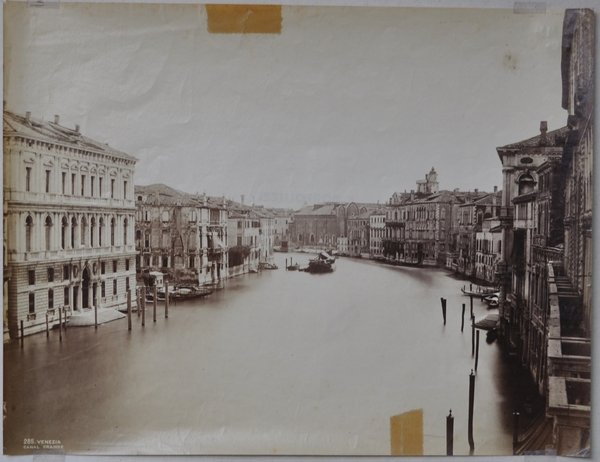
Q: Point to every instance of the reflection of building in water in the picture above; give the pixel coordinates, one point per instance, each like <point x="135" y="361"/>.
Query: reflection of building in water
<point x="69" y="218"/>
<point x="180" y="234"/>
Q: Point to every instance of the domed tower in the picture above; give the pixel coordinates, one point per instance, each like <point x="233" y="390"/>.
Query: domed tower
<point x="432" y="186"/>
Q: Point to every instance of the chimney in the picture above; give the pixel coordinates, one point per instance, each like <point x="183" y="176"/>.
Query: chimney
<point x="56" y="119"/>
<point x="28" y="116"/>
<point x="242" y="199"/>
<point x="77" y="128"/>
<point x="543" y="131"/>
<point x="476" y="190"/>
<point x="495" y="189"/>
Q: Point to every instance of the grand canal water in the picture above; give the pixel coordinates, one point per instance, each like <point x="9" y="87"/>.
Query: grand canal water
<point x="277" y="362"/>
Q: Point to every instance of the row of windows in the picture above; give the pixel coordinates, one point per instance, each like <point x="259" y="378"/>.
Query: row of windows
<point x="67" y="292"/>
<point x="69" y="185"/>
<point x="69" y="233"/>
<point x="69" y="270"/>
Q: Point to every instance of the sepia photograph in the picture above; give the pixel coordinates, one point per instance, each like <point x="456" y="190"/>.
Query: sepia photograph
<point x="297" y="230"/>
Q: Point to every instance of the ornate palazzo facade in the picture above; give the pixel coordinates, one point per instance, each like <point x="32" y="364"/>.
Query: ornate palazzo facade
<point x="68" y="223"/>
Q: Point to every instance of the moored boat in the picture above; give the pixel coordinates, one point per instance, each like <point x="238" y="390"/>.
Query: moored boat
<point x="323" y="263"/>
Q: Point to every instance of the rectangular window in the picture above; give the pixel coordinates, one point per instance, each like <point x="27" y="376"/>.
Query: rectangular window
<point x="50" y="299"/>
<point x="83" y="185"/>
<point x="73" y="177"/>
<point x="103" y="289"/>
<point x="124" y="189"/>
<point x="64" y="182"/>
<point x="31" y="303"/>
<point x="114" y="266"/>
<point x="66" y="296"/>
<point x="127" y="284"/>
<point x="50" y="274"/>
<point x="127" y="264"/>
<point x="47" y="181"/>
<point x="92" y="186"/>
<point x="102" y="267"/>
<point x="114" y="287"/>
<point x="27" y="179"/>
<point x="112" y="188"/>
<point x="31" y="277"/>
<point x="100" y="186"/>
<point x="66" y="273"/>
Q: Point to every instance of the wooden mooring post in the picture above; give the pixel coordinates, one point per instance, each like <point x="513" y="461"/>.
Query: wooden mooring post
<point x="64" y="320"/>
<point x="144" y="308"/>
<point x="95" y="313"/>
<point x="472" y="335"/>
<point x="471" y="300"/>
<point x="166" y="301"/>
<point x="443" y="300"/>
<point x="154" y="304"/>
<point x="516" y="416"/>
<point x="129" y="309"/>
<point x="462" y="322"/>
<point x="60" y="324"/>
<point x="22" y="333"/>
<point x="471" y="404"/>
<point x="449" y="434"/>
<point x="476" y="349"/>
<point x="47" y="326"/>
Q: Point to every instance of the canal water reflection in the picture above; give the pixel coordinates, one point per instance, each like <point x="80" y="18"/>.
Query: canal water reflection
<point x="277" y="362"/>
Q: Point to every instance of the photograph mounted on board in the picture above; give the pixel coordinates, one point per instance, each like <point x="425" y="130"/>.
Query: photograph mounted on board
<point x="297" y="230"/>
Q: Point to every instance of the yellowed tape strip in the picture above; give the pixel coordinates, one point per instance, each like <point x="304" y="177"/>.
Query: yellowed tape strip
<point x="244" y="19"/>
<point x="406" y="433"/>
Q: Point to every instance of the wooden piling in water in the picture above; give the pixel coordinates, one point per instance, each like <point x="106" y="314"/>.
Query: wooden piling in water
<point x="462" y="322"/>
<point x="95" y="314"/>
<point x="144" y="313"/>
<point x="22" y="332"/>
<point x="443" y="300"/>
<point x="476" y="349"/>
<point x="166" y="301"/>
<point x="515" y="430"/>
<point x="471" y="299"/>
<point x="449" y="434"/>
<point x="154" y="305"/>
<point x="60" y="324"/>
<point x="141" y="300"/>
<point x="129" y="309"/>
<point x="471" y="404"/>
<point x="65" y="318"/>
<point x="472" y="335"/>
<point x="47" y="326"/>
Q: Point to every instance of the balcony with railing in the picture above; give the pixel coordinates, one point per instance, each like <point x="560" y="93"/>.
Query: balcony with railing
<point x="569" y="358"/>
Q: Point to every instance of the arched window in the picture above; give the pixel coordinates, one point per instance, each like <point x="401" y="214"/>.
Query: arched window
<point x="28" y="233"/>
<point x="63" y="233"/>
<point x="101" y="231"/>
<point x="84" y="229"/>
<point x="48" y="233"/>
<point x="73" y="230"/>
<point x="112" y="231"/>
<point x="92" y="231"/>
<point x="526" y="183"/>
<point x="125" y="226"/>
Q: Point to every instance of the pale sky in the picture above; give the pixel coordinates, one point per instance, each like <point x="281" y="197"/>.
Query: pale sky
<point x="347" y="103"/>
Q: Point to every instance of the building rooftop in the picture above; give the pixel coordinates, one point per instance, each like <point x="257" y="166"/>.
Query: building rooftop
<point x="51" y="132"/>
<point x="554" y="138"/>
<point x="160" y="193"/>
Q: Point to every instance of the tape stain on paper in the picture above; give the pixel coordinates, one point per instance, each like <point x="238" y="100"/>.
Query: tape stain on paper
<point x="406" y="433"/>
<point x="244" y="19"/>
